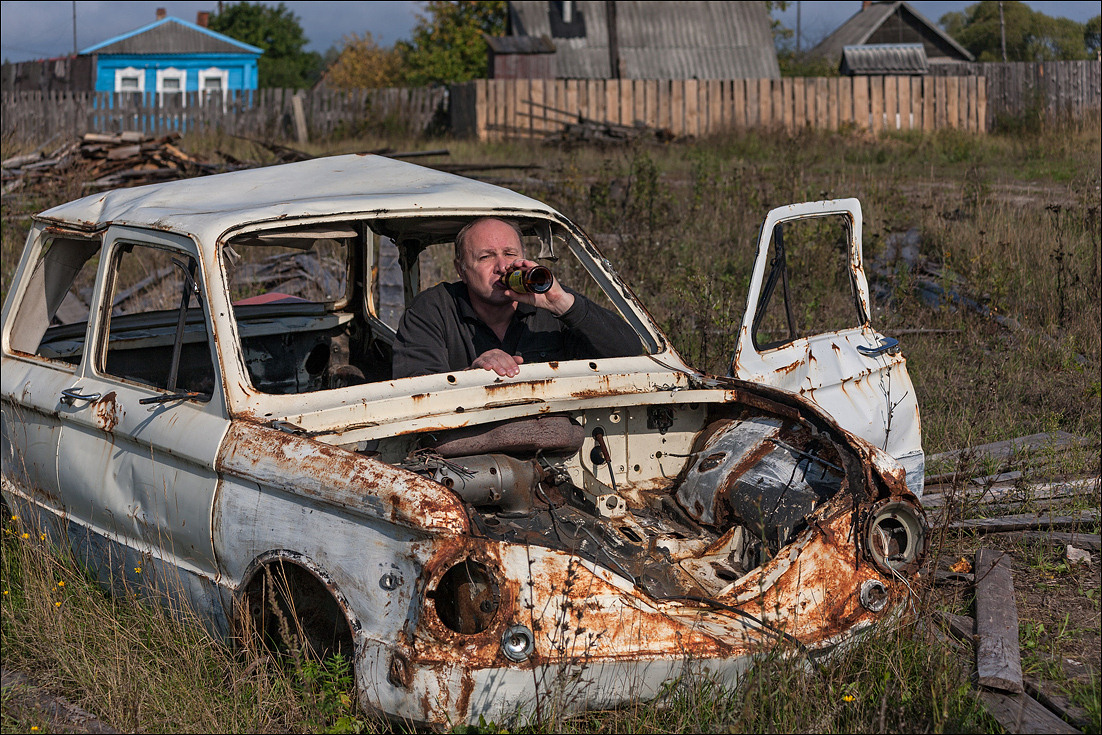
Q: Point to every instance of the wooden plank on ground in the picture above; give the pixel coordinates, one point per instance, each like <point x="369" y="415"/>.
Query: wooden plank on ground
<point x="1091" y="541"/>
<point x="1025" y="522"/>
<point x="998" y="659"/>
<point x="1019" y="713"/>
<point x="962" y="627"/>
<point x="1052" y="440"/>
<point x="1009" y="490"/>
<point x="1060" y="705"/>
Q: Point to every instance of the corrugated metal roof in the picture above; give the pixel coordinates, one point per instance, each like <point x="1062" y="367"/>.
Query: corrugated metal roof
<point x="660" y="40"/>
<point x="172" y="36"/>
<point x="860" y="28"/>
<point x="885" y="58"/>
<point x="520" y="44"/>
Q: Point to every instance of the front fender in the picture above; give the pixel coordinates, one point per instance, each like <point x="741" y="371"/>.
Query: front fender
<point x="331" y="475"/>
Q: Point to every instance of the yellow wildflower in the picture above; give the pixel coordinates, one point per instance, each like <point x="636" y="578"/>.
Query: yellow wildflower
<point x="42" y="537"/>
<point x="57" y="604"/>
<point x="61" y="583"/>
<point x="848" y="698"/>
<point x="137" y="570"/>
<point x="26" y="535"/>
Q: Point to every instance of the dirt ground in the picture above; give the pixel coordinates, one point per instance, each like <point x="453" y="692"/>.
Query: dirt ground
<point x="25" y="703"/>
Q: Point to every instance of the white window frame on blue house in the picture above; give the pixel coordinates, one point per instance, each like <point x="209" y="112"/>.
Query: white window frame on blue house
<point x="180" y="75"/>
<point x="223" y="77"/>
<point x="130" y="72"/>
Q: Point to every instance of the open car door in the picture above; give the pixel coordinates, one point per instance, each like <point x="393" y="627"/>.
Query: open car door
<point x="807" y="330"/>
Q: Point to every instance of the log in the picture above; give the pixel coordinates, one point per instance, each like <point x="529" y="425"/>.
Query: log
<point x="998" y="659"/>
<point x="1025" y="522"/>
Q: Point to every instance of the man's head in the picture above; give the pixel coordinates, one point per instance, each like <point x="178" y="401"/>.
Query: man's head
<point x="484" y="250"/>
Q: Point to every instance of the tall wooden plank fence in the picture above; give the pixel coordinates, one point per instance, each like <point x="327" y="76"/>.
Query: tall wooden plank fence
<point x="494" y="109"/>
<point x="266" y="113"/>
<point x="1056" y="89"/>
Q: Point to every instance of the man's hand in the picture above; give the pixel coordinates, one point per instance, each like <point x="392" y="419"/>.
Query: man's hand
<point x="500" y="362"/>
<point x="557" y="300"/>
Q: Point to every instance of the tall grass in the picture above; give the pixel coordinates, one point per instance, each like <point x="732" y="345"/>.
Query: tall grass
<point x="1011" y="221"/>
<point x="139" y="666"/>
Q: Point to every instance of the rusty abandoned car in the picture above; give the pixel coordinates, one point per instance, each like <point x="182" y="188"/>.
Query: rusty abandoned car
<point x="197" y="377"/>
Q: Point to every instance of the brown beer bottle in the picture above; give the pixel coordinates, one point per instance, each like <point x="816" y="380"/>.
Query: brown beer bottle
<point x="537" y="279"/>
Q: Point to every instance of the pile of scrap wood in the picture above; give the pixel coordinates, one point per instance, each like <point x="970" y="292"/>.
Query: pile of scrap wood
<point x="577" y="129"/>
<point x="999" y="499"/>
<point x="106" y="161"/>
<point x="995" y="502"/>
<point x="1020" y="704"/>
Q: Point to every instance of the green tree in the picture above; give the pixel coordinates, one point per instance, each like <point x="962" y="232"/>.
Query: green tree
<point x="277" y="31"/>
<point x="1091" y="32"/>
<point x="362" y="63"/>
<point x="1030" y="35"/>
<point x="447" y="45"/>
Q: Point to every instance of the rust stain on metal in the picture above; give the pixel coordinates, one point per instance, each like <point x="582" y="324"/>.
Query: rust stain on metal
<point x="329" y="474"/>
<point x="108" y="412"/>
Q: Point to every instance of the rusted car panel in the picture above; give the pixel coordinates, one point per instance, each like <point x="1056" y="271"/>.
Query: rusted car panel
<point x="223" y="415"/>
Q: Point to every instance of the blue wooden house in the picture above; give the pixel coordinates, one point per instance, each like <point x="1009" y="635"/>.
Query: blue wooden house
<point x="172" y="56"/>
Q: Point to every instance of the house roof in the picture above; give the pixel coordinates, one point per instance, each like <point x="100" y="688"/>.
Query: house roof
<point x="520" y="44"/>
<point x="172" y="36"/>
<point x="207" y="206"/>
<point x="885" y="58"/>
<point x="862" y="29"/>
<point x="656" y="40"/>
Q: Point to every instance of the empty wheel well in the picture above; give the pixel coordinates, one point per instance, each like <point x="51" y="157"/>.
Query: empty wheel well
<point x="292" y="610"/>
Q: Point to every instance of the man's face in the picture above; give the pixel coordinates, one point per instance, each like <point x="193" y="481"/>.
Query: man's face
<point x="491" y="247"/>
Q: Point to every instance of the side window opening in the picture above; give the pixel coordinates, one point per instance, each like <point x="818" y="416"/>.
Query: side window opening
<point x="809" y="287"/>
<point x="293" y="296"/>
<point x="53" y="316"/>
<point x="156" y="331"/>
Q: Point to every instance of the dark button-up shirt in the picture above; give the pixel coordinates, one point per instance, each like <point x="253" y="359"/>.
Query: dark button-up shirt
<point x="440" y="332"/>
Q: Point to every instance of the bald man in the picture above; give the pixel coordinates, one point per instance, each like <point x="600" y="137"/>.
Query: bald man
<point x="478" y="323"/>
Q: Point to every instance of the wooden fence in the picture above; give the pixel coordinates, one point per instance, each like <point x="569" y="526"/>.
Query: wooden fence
<point x="505" y="108"/>
<point x="266" y="113"/>
<point x="1057" y="89"/>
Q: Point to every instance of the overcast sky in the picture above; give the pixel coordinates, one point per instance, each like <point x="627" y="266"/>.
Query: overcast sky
<point x="44" y="29"/>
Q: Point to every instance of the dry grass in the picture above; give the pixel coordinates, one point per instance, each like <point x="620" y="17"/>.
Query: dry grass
<point x="1009" y="221"/>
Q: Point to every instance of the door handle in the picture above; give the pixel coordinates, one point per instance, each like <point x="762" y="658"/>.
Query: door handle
<point x="887" y="344"/>
<point x="69" y="396"/>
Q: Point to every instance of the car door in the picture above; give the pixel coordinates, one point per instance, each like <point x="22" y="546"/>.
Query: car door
<point x="46" y="321"/>
<point x="144" y="417"/>
<point x="807" y="329"/>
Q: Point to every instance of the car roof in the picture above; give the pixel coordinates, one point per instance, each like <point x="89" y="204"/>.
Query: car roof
<point x="207" y="206"/>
